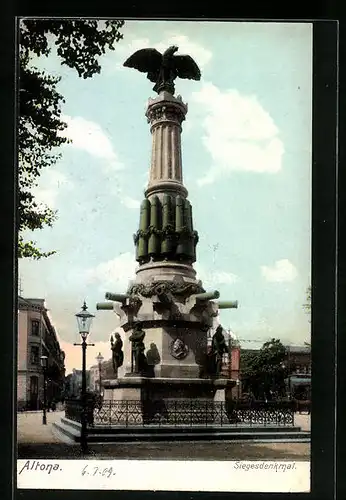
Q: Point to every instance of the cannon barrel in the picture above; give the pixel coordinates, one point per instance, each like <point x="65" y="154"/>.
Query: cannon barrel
<point x="117" y="297"/>
<point x="228" y="304"/>
<point x="208" y="295"/>
<point x="104" y="306"/>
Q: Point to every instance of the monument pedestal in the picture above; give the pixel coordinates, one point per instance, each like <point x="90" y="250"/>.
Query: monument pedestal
<point x="167" y="400"/>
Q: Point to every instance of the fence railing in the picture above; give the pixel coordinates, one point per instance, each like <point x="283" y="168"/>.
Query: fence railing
<point x="189" y="413"/>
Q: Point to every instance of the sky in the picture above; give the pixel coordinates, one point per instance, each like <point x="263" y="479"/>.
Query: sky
<point x="246" y="148"/>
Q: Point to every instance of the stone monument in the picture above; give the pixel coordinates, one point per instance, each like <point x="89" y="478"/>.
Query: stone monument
<point x="166" y="313"/>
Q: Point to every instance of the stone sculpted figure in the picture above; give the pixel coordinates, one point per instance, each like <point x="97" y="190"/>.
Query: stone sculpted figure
<point x="153" y="358"/>
<point x="163" y="69"/>
<point x="117" y="352"/>
<point x="218" y="348"/>
<point x="140" y="364"/>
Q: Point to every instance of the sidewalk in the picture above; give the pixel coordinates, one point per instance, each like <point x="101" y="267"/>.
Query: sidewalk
<point x="302" y="420"/>
<point x="31" y="430"/>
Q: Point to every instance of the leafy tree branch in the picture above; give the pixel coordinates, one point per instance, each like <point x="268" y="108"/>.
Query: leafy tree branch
<point x="79" y="45"/>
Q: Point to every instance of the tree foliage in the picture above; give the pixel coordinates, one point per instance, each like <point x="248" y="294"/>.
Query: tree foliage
<point x="79" y="45"/>
<point x="307" y="305"/>
<point x="264" y="371"/>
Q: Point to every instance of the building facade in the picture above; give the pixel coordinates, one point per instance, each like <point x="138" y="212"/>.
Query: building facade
<point x="298" y="360"/>
<point x="73" y="383"/>
<point x="37" y="337"/>
<point x="106" y="373"/>
<point x="94" y="378"/>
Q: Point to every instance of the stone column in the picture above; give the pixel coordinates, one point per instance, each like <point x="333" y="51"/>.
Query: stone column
<point x="165" y="114"/>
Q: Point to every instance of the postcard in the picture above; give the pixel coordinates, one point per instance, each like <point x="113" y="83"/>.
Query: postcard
<point x="164" y="295"/>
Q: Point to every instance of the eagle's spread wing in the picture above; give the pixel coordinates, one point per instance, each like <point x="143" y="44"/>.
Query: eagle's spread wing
<point x="186" y="67"/>
<point x="147" y="61"/>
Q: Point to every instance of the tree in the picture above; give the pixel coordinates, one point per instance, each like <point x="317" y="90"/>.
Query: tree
<point x="264" y="372"/>
<point x="307" y="305"/>
<point x="79" y="44"/>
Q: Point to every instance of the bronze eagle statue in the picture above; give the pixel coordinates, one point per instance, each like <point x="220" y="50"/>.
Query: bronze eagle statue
<point x="163" y="69"/>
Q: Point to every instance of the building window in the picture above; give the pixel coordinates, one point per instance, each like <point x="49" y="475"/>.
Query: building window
<point x="35" y="327"/>
<point x="33" y="396"/>
<point x="35" y="355"/>
<point x="33" y="386"/>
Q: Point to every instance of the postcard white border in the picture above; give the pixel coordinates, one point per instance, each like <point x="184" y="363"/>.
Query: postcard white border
<point x="168" y="475"/>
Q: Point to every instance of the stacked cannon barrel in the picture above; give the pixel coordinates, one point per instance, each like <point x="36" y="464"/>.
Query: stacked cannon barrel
<point x="166" y="230"/>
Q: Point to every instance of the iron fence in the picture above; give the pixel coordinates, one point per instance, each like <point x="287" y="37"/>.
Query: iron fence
<point x="188" y="413"/>
<point x="73" y="409"/>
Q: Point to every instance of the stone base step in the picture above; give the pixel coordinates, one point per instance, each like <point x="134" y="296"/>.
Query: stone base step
<point x="263" y="437"/>
<point x="71" y="431"/>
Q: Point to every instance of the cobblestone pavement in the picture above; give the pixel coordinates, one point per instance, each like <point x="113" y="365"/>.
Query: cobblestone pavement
<point x="38" y="441"/>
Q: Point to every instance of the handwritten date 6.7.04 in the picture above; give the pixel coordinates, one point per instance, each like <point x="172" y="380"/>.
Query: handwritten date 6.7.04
<point x="92" y="470"/>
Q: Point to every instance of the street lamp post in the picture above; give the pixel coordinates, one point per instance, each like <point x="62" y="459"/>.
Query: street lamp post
<point x="99" y="359"/>
<point x="238" y="388"/>
<point x="44" y="362"/>
<point x="289" y="372"/>
<point x="84" y="319"/>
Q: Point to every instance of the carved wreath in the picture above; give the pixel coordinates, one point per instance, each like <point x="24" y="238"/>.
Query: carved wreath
<point x="174" y="288"/>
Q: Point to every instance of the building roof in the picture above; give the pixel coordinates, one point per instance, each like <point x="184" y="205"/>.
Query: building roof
<point x="77" y="372"/>
<point x="299" y="349"/>
<point x="35" y="304"/>
<point x="300" y="380"/>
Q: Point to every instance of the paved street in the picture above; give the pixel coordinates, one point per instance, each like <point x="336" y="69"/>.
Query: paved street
<point x="38" y="441"/>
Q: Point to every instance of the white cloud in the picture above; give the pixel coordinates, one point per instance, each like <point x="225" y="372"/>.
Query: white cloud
<point x="200" y="54"/>
<point x="223" y="278"/>
<point x="90" y="137"/>
<point x="240" y="135"/>
<point x="130" y="202"/>
<point x="114" y="275"/>
<point x="282" y="270"/>
<point x="51" y="183"/>
<point x="115" y="61"/>
<point x="214" y="278"/>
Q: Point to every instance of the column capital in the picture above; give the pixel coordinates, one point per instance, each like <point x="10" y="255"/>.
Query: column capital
<point x="166" y="108"/>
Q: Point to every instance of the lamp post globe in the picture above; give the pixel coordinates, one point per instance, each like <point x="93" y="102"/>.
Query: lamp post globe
<point x="99" y="358"/>
<point x="84" y="320"/>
